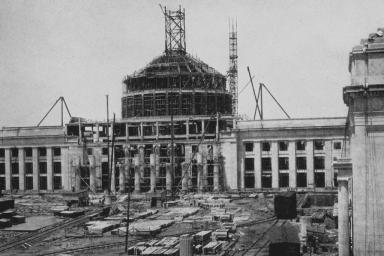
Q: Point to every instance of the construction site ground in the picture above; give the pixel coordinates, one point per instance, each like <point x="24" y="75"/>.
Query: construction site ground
<point x="254" y="217"/>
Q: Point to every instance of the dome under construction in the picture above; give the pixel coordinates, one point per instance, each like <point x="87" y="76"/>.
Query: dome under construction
<point x="175" y="83"/>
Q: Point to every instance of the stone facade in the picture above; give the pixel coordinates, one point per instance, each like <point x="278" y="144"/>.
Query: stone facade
<point x="216" y="158"/>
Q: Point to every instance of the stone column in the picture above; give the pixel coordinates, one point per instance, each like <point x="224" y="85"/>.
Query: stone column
<point x="21" y="169"/>
<point x="7" y="158"/>
<point x="343" y="217"/>
<point x="185" y="175"/>
<point x="205" y="172"/>
<point x="136" y="162"/>
<point x="76" y="172"/>
<point x="168" y="177"/>
<point x="199" y="166"/>
<point x="275" y="164"/>
<point x="65" y="169"/>
<point x="124" y="170"/>
<point x="141" y="160"/>
<point x="36" y="171"/>
<point x="292" y="164"/>
<point x="92" y="173"/>
<point x="310" y="166"/>
<point x="49" y="169"/>
<point x="157" y="164"/>
<point x="216" y="173"/>
<point x="216" y="170"/>
<point x="257" y="151"/>
<point x="328" y="164"/>
<point x="121" y="178"/>
<point x="153" y="172"/>
<point x="344" y="167"/>
<point x="98" y="171"/>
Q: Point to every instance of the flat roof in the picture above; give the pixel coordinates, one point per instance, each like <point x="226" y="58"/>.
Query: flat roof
<point x="317" y="122"/>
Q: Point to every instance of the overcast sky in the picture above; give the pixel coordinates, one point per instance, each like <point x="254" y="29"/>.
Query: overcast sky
<point x="82" y="49"/>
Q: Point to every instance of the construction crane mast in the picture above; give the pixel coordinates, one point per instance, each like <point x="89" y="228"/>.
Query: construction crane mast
<point x="232" y="72"/>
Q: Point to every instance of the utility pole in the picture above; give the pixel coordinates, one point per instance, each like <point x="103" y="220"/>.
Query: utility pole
<point x="108" y="201"/>
<point x="112" y="167"/>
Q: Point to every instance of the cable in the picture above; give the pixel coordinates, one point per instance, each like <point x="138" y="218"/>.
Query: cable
<point x="245" y="86"/>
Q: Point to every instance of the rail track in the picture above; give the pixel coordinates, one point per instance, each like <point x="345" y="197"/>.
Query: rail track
<point x="28" y="239"/>
<point x="261" y="243"/>
<point x="92" y="247"/>
<point x="255" y="222"/>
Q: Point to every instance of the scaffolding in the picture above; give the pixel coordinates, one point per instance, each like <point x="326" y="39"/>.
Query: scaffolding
<point x="176" y="83"/>
<point x="174" y="31"/>
<point x="232" y="72"/>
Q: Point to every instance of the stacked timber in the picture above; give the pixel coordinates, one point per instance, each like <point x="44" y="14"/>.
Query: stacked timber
<point x="202" y="238"/>
<point x="5" y="223"/>
<point x="6" y="204"/>
<point x="212" y="248"/>
<point x="17" y="219"/>
<point x="221" y="234"/>
<point x="8" y="214"/>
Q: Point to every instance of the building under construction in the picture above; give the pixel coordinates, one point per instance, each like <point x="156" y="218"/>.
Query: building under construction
<point x="179" y="131"/>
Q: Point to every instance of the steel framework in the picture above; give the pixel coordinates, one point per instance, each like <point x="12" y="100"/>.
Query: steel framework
<point x="174" y="31"/>
<point x="232" y="72"/>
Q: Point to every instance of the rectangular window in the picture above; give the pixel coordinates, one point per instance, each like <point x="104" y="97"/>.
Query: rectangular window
<point x="28" y="152"/>
<point x="195" y="148"/>
<point x="43" y="182"/>
<point x="266" y="164"/>
<point x="57" y="151"/>
<point x="28" y="183"/>
<point x="300" y="145"/>
<point x="42" y="152"/>
<point x="28" y="168"/>
<point x="266" y="146"/>
<point x="15" y="168"/>
<point x="104" y="168"/>
<point x="15" y="183"/>
<point x="57" y="182"/>
<point x="283" y="145"/>
<point x="266" y="181"/>
<point x="89" y="151"/>
<point x="248" y="147"/>
<point x="57" y="167"/>
<point x="283" y="163"/>
<point x="249" y="164"/>
<point x="249" y="180"/>
<point x="14" y="152"/>
<point x="43" y="167"/>
<point x="2" y="152"/>
<point x="319" y="145"/>
<point x="2" y="168"/>
<point x="301" y="163"/>
<point x="2" y="183"/>
<point x="337" y="145"/>
<point x="301" y="179"/>
<point x="318" y="162"/>
<point x="319" y="179"/>
<point x="105" y="151"/>
<point x="283" y="180"/>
